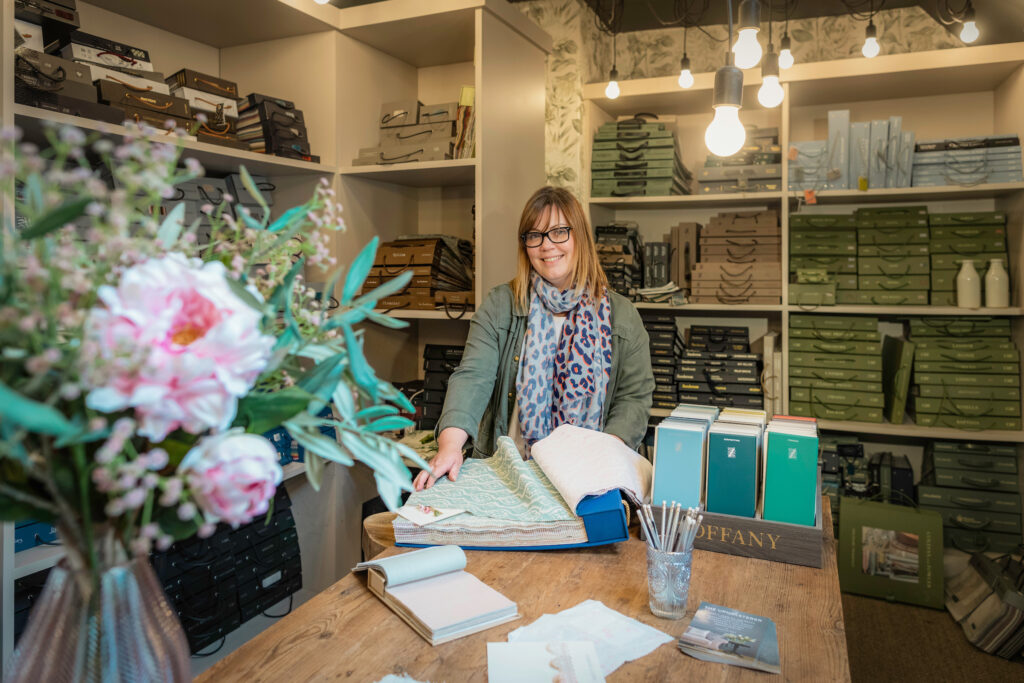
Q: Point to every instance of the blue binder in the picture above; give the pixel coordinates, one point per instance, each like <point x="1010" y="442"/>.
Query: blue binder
<point x="604" y="518"/>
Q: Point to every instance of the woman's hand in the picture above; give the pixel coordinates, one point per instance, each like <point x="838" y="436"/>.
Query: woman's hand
<point x="447" y="461"/>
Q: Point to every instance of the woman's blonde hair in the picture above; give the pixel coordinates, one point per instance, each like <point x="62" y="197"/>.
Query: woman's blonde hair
<point x="586" y="268"/>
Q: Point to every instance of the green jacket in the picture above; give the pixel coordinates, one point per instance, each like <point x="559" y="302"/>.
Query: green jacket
<point x="482" y="391"/>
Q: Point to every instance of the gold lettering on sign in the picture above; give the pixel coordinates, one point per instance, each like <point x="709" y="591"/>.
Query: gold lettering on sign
<point x="772" y="539"/>
<point x="711" y="532"/>
<point x="700" y="531"/>
<point x="756" y="538"/>
<point x="739" y="538"/>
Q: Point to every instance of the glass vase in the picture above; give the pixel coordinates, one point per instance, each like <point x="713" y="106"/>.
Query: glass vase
<point x="115" y="628"/>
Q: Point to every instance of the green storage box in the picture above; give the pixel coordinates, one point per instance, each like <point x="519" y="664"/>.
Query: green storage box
<point x="834" y="322"/>
<point x="808" y="234"/>
<point x="943" y="496"/>
<point x="834" y="335"/>
<point x="861" y="297"/>
<point x="819" y="248"/>
<point x="836" y="361"/>
<point x="822" y="294"/>
<point x="893" y="236"/>
<point x="975" y="461"/>
<point x="973" y="479"/>
<point x="959" y="245"/>
<point x="980" y="368"/>
<point x="642" y="173"/>
<point x="822" y="412"/>
<point x="968" y="218"/>
<point x="635" y="188"/>
<point x="973" y="326"/>
<point x="978" y="541"/>
<point x="833" y="264"/>
<point x="892" y="250"/>
<point x="959" y="391"/>
<point x="835" y="374"/>
<point x="942" y="298"/>
<point x="820" y="220"/>
<point x="975" y="448"/>
<point x="974" y="424"/>
<point x="967" y="407"/>
<point x="893" y="212"/>
<point x="664" y="141"/>
<point x="950" y="232"/>
<point x="813" y="277"/>
<point x="864" y="348"/>
<point x="894" y="283"/>
<point x="836" y="398"/>
<point x="893" y="265"/>
<point x="952" y="379"/>
<point x="836" y="385"/>
<point x="980" y="355"/>
<point x="975" y="520"/>
<point x="954" y="261"/>
<point x="633" y="153"/>
<point x="897" y="363"/>
<point x="954" y="344"/>
<point x="613" y="165"/>
<point x="944" y="279"/>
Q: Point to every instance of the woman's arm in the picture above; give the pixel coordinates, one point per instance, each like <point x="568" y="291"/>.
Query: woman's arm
<point x="447" y="461"/>
<point x="630" y="407"/>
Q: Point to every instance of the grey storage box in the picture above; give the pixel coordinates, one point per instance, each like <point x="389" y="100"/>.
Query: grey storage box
<point x="400" y="113"/>
<point x="438" y="113"/>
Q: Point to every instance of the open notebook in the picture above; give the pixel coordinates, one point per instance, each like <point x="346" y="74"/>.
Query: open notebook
<point x="431" y="592"/>
<point x="566" y="496"/>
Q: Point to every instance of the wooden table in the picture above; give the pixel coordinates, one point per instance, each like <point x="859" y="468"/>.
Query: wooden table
<point x="346" y="633"/>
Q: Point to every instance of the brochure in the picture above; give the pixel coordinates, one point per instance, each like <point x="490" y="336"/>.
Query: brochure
<point x="728" y="636"/>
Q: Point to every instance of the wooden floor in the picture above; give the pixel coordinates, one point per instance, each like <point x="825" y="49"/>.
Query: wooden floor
<point x="894" y="642"/>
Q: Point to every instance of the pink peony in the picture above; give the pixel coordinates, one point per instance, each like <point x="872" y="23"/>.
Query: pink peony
<point x="175" y="343"/>
<point x="232" y="475"/>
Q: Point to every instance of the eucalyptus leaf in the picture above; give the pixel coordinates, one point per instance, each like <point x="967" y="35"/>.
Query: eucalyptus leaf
<point x="361" y="371"/>
<point x="387" y="289"/>
<point x="32" y="415"/>
<point x="314" y="470"/>
<point x="247" y="297"/>
<point x="376" y="458"/>
<point x="261" y="412"/>
<point x="250" y="186"/>
<point x="170" y="229"/>
<point x="358" y="271"/>
<point x="390" y="423"/>
<point x="389" y="492"/>
<point x="297" y="213"/>
<point x="251" y="222"/>
<point x="386" y="320"/>
<point x="318" y="444"/>
<point x="56" y="219"/>
<point x="344" y="403"/>
<point x="374" y="412"/>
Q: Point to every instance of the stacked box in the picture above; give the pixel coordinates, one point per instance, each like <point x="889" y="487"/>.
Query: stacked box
<point x="214" y="104"/>
<point x="57" y="84"/>
<point x="621" y="252"/>
<point x="739" y="260"/>
<point x="666" y="345"/>
<point x="834" y="375"/>
<point x="821" y="242"/>
<point x="857" y="155"/>
<point x="442" y="272"/>
<point x="637" y="158"/>
<point x="405" y="137"/>
<point x="27" y="591"/>
<point x="439" y="362"/>
<point x="892" y="257"/>
<point x="757" y="167"/>
<point x="968" y="161"/>
<point x="807" y="165"/>
<point x="966" y="374"/>
<point x="975" y="487"/>
<point x="273" y="125"/>
<point x="683" y="253"/>
<point x="955" y="237"/>
<point x="218" y="583"/>
<point x="656" y="264"/>
<point x="717" y="368"/>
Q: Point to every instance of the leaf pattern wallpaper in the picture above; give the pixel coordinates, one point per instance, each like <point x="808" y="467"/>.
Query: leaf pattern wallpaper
<point x="582" y="54"/>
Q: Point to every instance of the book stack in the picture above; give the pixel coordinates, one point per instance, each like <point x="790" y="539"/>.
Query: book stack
<point x="755" y="168"/>
<point x="464" y="146"/>
<point x="214" y="104"/>
<point x="412" y="131"/>
<point x="656" y="264"/>
<point x="637" y="158"/>
<point x="823" y="257"/>
<point x="807" y="164"/>
<point x="439" y="362"/>
<point x="620" y="250"/>
<point x="956" y="237"/>
<point x="966" y="374"/>
<point x="666" y="347"/>
<point x="217" y="584"/>
<point x="272" y="125"/>
<point x="442" y="272"/>
<point x="892" y="257"/>
<point x="835" y="368"/>
<point x="740" y="260"/>
<point x="968" y="161"/>
<point x="717" y="368"/>
<point x="734" y="462"/>
<point x="974" y="486"/>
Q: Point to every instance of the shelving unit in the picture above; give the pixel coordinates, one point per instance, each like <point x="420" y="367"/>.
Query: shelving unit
<point x="978" y="90"/>
<point x="339" y="66"/>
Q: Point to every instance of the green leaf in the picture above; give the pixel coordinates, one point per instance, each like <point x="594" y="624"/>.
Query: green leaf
<point x="261" y="412"/>
<point x="387" y="289"/>
<point x="386" y="320"/>
<point x="288" y="217"/>
<point x="323" y="378"/>
<point x="361" y="371"/>
<point x="318" y="444"/>
<point x="250" y="185"/>
<point x="81" y="436"/>
<point x="358" y="271"/>
<point x="344" y="403"/>
<point x="247" y="218"/>
<point x="387" y="424"/>
<point x="374" y="412"/>
<point x="381" y="456"/>
<point x="314" y="470"/>
<point x="170" y="229"/>
<point x="12" y="510"/>
<point x="250" y="299"/>
<point x="170" y="524"/>
<point x="56" y="219"/>
<point x="389" y="393"/>
<point x="32" y="415"/>
<point x="389" y="491"/>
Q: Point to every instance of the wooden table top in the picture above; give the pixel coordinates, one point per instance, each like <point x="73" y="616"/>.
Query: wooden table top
<point x="346" y="633"/>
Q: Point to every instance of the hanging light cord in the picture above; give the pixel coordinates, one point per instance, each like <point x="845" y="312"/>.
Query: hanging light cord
<point x="955" y="16"/>
<point x="856" y="8"/>
<point x="770" y="46"/>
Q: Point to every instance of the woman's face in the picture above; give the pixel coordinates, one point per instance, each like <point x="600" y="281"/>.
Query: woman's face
<point x="553" y="262"/>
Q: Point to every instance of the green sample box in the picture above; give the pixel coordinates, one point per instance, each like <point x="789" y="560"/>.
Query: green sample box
<point x="893" y="265"/>
<point x="846" y="399"/>
<point x="863" y="297"/>
<point x="960" y="498"/>
<point x="845" y="413"/>
<point x="835" y="360"/>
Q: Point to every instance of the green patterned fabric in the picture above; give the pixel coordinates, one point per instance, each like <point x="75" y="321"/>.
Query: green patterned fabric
<point x="503" y="486"/>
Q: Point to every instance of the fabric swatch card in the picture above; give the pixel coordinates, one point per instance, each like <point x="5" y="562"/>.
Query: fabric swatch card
<point x="679" y="451"/>
<point x="791" y="473"/>
<point x="732" y="469"/>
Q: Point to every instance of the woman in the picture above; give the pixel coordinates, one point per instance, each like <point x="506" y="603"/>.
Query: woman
<point x="553" y="346"/>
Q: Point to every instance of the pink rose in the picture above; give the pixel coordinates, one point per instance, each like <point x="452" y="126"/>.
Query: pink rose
<point x="232" y="475"/>
<point x="176" y="344"/>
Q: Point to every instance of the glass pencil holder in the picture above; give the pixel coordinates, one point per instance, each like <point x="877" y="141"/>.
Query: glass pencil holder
<point x="668" y="582"/>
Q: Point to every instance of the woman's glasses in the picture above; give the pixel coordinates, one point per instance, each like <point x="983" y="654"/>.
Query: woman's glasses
<point x="556" y="235"/>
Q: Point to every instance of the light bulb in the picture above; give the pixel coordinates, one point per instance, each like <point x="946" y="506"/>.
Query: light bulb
<point x="969" y="33"/>
<point x="747" y="50"/>
<point x="870" y="48"/>
<point x="785" y="56"/>
<point x="725" y="134"/>
<point x="685" y="77"/>
<point x="770" y="93"/>
<point x="321" y="2"/>
<point x="611" y="91"/>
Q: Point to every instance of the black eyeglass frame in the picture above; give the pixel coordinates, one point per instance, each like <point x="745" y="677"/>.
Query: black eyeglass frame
<point x="525" y="237"/>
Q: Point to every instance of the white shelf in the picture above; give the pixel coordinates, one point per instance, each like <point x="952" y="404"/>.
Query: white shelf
<point x="689" y="201"/>
<point x="916" y="194"/>
<point x="36" y="559"/>
<point x="909" y="429"/>
<point x="212" y="157"/>
<point x="226" y="23"/>
<point x="292" y="469"/>
<point x="712" y="308"/>
<point x="907" y="310"/>
<point x="419" y="173"/>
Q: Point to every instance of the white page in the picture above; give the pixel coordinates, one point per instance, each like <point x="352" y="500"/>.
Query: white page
<point x="583" y="462"/>
<point x="542" y="662"/>
<point x="418" y="564"/>
<point x="446" y="601"/>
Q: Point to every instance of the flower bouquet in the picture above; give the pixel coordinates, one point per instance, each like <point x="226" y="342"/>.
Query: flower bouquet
<point x="141" y="364"/>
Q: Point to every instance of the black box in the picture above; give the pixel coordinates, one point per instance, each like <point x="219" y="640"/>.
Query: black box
<point x="67" y="105"/>
<point x="117" y="94"/>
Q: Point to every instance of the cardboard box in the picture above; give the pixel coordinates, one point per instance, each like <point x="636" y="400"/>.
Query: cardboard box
<point x="28" y="62"/>
<point x="67" y="105"/>
<point x="892" y="150"/>
<point x="416" y="134"/>
<point x="399" y="113"/>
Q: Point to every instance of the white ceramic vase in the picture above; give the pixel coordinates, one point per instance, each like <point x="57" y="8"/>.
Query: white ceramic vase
<point x="968" y="286"/>
<point x="997" y="285"/>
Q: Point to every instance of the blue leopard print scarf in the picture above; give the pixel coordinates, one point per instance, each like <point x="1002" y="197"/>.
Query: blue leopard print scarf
<point x="563" y="380"/>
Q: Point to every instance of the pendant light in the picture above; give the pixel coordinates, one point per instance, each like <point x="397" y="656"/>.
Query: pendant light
<point x="685" y="75"/>
<point x="321" y="2"/>
<point x="747" y="50"/>
<point x="871" y="46"/>
<point x="725" y="134"/>
<point x="611" y="91"/>
<point x="785" y="55"/>
<point x="770" y="93"/>
<point x="969" y="33"/>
